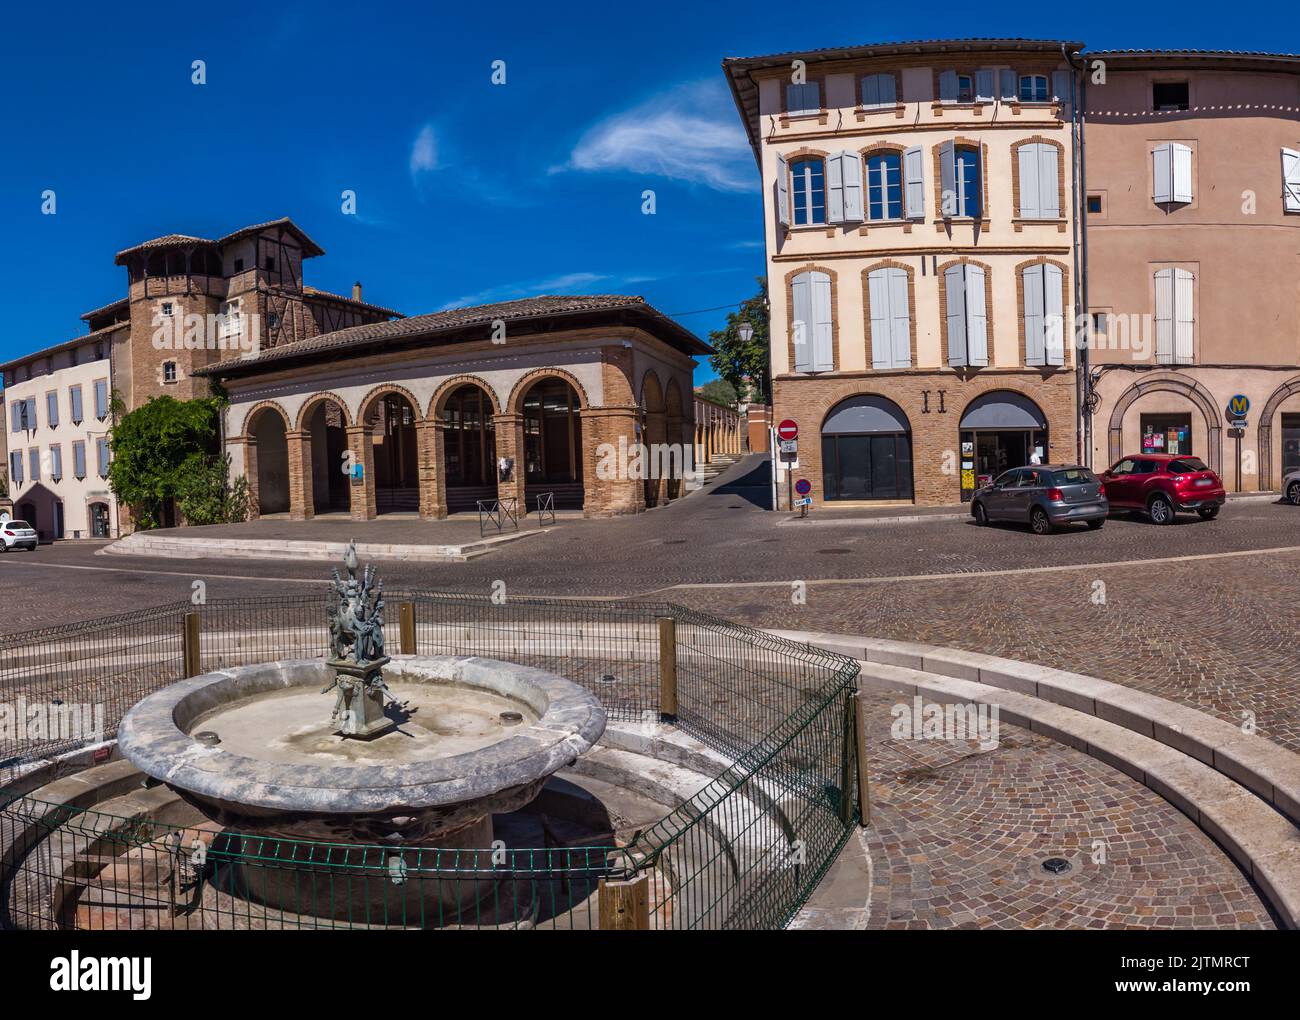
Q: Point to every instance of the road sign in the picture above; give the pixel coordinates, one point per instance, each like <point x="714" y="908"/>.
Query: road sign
<point x="788" y="429"/>
<point x="803" y="486"/>
<point x="806" y="501"/>
<point x="789" y="447"/>
<point x="1238" y="406"/>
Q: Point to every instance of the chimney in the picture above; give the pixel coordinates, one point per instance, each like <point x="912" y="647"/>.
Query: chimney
<point x="356" y="291"/>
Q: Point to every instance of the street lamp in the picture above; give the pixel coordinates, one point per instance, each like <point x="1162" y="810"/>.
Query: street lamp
<point x="746" y="332"/>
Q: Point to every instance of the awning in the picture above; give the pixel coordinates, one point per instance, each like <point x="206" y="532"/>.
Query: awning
<point x="863" y="414"/>
<point x="1003" y="409"/>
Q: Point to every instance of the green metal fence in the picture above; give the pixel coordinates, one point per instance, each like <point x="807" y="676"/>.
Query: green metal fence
<point x="743" y="852"/>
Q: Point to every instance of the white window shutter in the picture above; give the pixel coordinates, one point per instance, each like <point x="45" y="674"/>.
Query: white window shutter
<point x="1053" y="315"/>
<point x="954" y="285"/>
<point x="900" y="324"/>
<point x="1049" y="201"/>
<point x="1061" y="87"/>
<point x="878" y="293"/>
<point x="851" y="174"/>
<point x="984" y="80"/>
<point x="1162" y="174"/>
<point x="1183" y="324"/>
<point x="834" y="188"/>
<point x="914" y="184"/>
<point x="1164" y="316"/>
<point x="801" y="298"/>
<point x="1035" y="345"/>
<point x="948" y="86"/>
<point x="1029" y="188"/>
<point x="822" y="337"/>
<point x="1182" y="156"/>
<point x="947" y="180"/>
<point x="782" y="191"/>
<point x="977" y="325"/>
<point x="1009" y="85"/>
<point x="1291" y="180"/>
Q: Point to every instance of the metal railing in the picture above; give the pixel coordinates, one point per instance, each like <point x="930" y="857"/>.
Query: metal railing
<point x="743" y="852"/>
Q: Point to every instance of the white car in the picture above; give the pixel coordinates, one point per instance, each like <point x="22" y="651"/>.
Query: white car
<point x="1291" y="487"/>
<point x="17" y="535"/>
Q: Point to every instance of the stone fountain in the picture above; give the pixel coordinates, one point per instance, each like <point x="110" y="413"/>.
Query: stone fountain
<point x="419" y="752"/>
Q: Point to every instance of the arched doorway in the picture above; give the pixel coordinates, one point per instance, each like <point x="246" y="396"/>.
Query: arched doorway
<point x="553" y="443"/>
<point x="469" y="447"/>
<point x="673" y="410"/>
<point x="999" y="430"/>
<point x="267" y="430"/>
<point x="866" y="450"/>
<point x="391" y="422"/>
<point x="654" y="435"/>
<point x="327" y="425"/>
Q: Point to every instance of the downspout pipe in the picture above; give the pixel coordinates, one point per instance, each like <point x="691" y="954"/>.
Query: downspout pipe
<point x="1078" y="167"/>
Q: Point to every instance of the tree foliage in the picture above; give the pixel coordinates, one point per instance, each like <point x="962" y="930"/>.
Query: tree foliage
<point x="720" y="392"/>
<point x="745" y="365"/>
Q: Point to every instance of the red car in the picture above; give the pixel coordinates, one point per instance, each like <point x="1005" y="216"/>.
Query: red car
<point x="1162" y="485"/>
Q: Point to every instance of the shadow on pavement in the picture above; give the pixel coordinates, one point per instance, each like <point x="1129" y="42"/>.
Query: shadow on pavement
<point x="753" y="485"/>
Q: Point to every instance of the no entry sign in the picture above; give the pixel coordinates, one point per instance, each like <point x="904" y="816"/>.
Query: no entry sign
<point x="788" y="429"/>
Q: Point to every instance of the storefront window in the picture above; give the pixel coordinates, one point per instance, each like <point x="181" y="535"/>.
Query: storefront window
<point x="1167" y="433"/>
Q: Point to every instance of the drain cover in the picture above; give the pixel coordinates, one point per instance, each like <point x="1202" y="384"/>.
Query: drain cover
<point x="1056" y="865"/>
<point x="207" y="738"/>
<point x="512" y="718"/>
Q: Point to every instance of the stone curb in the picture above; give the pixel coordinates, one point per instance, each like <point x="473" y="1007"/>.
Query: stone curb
<point x="144" y="544"/>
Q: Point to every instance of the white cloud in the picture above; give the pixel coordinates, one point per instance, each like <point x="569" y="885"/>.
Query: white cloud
<point x="424" y="152"/>
<point x="510" y="291"/>
<point x="690" y="133"/>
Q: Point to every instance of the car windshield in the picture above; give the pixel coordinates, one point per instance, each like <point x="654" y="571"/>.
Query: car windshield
<point x="1186" y="465"/>
<point x="1073" y="476"/>
<point x="18" y="524"/>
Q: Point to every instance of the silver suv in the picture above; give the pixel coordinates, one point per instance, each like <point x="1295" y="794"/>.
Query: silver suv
<point x="17" y="535"/>
<point x="1291" y="487"/>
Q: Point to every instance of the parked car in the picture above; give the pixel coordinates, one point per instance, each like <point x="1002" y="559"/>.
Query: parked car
<point x="17" y="535"/>
<point x="1162" y="485"/>
<point x="1291" y="487"/>
<point x="1045" y="496"/>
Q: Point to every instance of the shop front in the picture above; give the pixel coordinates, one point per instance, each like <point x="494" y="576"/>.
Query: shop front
<point x="999" y="431"/>
<point x="1167" y="433"/>
<point x="866" y="451"/>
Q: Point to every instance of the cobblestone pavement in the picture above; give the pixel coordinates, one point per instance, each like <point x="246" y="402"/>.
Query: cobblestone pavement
<point x="958" y="837"/>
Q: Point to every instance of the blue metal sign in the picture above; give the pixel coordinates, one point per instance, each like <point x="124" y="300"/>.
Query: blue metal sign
<point x="1238" y="406"/>
<point x="803" y="486"/>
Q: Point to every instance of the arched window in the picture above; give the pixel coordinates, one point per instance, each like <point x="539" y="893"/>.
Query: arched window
<point x="808" y="177"/>
<point x="884" y="186"/>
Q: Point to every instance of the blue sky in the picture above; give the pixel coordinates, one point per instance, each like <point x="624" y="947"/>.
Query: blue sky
<point x="467" y="192"/>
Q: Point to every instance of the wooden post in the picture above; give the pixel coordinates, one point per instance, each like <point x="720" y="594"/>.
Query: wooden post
<point x="847" y="771"/>
<point x="625" y="906"/>
<point x="667" y="668"/>
<point x="860" y="730"/>
<point x="190" y="644"/>
<point x="406" y="627"/>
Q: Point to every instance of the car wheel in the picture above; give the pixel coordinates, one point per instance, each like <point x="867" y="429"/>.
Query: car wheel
<point x="1160" y="510"/>
<point x="1208" y="513"/>
<point x="1039" y="521"/>
<point x="1095" y="525"/>
<point x="1293" y="493"/>
<point x="980" y="514"/>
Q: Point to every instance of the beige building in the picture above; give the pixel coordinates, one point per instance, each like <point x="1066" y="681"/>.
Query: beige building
<point x="1193" y="249"/>
<point x="920" y="234"/>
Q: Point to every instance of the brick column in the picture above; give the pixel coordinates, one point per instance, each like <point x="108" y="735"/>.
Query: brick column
<point x="656" y="433"/>
<point x="364" y="504"/>
<point x="250" y="476"/>
<point x="431" y="439"/>
<point x="510" y="443"/>
<point x="605" y="497"/>
<point x="302" y="503"/>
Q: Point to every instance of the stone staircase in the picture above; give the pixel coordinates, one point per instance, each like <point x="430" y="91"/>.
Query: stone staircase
<point x="720" y="462"/>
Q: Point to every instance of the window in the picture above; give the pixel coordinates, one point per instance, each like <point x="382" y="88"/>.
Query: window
<point x="1094" y="204"/>
<point x="966" y="315"/>
<point x="52" y="409"/>
<point x="167" y="308"/>
<point x="239" y="265"/>
<point x="101" y="456"/>
<point x="809" y="192"/>
<point x="812" y="333"/>
<point x="1172" y="173"/>
<point x="891" y="318"/>
<point x="1044" y="314"/>
<point x="16" y="467"/>
<point x="74" y="400"/>
<point x="1166" y="433"/>
<point x="965" y="89"/>
<point x="272" y="319"/>
<point x="960" y="88"/>
<point x="1186" y="466"/>
<point x="34" y="463"/>
<point x="270" y="263"/>
<point x="1073" y="476"/>
<point x="1033" y="88"/>
<point x="56" y="463"/>
<point x="1290" y="180"/>
<point x="29" y="414"/>
<point x="101" y="399"/>
<point x="1038" y="164"/>
<point x="878" y="91"/>
<point x="169" y="371"/>
<point x="229" y="321"/>
<point x="801" y="100"/>
<point x="1099" y="329"/>
<point x="885" y="186"/>
<point x="79" y="460"/>
<point x="959" y="167"/>
<point x="1169" y="95"/>
<point x="1174" y="323"/>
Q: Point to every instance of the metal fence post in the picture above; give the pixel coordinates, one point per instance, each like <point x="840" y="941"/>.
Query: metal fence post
<point x="667" y="668"/>
<point x="860" y="731"/>
<point x="625" y="906"/>
<point x="190" y="645"/>
<point x="406" y="627"/>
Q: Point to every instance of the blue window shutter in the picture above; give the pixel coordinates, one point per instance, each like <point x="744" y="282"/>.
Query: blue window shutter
<point x="881" y="319"/>
<point x="914" y="184"/>
<point x="984" y="85"/>
<point x="15" y="416"/>
<point x="1053" y="315"/>
<point x="1009" y="85"/>
<point x="75" y="401"/>
<point x="31" y="412"/>
<point x="52" y="409"/>
<point x="101" y="398"/>
<point x="1027" y="160"/>
<point x="900" y="318"/>
<point x="79" y="460"/>
<point x="801" y="298"/>
<point x="34" y="458"/>
<point x="954" y="282"/>
<point x="1049" y="198"/>
<point x="948" y="87"/>
<point x="56" y="463"/>
<point x="871" y="91"/>
<point x="804" y="98"/>
<point x="822" y="336"/>
<point x="851" y="176"/>
<point x="948" y="180"/>
<point x="977" y="329"/>
<point x="1035" y="347"/>
<point x="888" y="90"/>
<point x="782" y="191"/>
<point x="1061" y="87"/>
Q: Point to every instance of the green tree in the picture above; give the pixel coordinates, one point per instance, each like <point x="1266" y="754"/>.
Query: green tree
<point x="720" y="392"/>
<point x="206" y="495"/>
<point x="745" y="364"/>
<point x="167" y="450"/>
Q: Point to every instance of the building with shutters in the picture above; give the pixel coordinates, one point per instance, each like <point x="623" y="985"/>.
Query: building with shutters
<point x="1193" y="250"/>
<point x="920" y="229"/>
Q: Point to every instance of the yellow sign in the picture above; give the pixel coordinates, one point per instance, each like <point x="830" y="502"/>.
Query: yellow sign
<point x="968" y="479"/>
